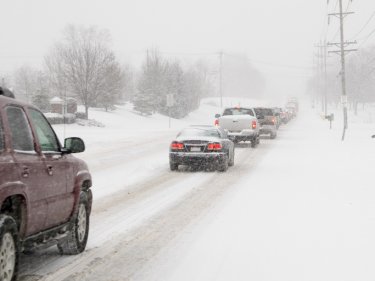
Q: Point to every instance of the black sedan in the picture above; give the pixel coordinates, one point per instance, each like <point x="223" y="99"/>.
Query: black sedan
<point x="202" y="145"/>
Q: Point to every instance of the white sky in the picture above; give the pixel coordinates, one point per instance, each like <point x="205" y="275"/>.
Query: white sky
<point x="275" y="34"/>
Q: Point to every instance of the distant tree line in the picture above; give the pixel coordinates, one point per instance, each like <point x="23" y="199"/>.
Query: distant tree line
<point x="360" y="79"/>
<point x="82" y="65"/>
<point x="160" y="78"/>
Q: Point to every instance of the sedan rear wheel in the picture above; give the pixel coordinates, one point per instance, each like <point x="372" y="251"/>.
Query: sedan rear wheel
<point x="173" y="166"/>
<point x="223" y="167"/>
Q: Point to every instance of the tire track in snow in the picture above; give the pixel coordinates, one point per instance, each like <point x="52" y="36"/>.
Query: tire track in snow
<point x="116" y="217"/>
<point x="197" y="191"/>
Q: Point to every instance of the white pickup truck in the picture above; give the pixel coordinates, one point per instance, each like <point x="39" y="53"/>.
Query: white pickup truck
<point x="241" y="124"/>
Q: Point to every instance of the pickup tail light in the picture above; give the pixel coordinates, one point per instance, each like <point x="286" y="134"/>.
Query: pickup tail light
<point x="216" y="122"/>
<point x="177" y="145"/>
<point x="215" y="146"/>
<point x="254" y="124"/>
<point x="274" y="120"/>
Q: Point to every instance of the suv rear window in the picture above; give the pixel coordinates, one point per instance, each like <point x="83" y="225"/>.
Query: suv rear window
<point x="264" y="111"/>
<point x="238" y="111"/>
<point x="22" y="139"/>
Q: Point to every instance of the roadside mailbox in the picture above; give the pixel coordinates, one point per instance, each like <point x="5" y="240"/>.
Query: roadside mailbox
<point x="330" y="118"/>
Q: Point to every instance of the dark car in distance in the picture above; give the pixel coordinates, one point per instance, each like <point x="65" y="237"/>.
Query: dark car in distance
<point x="202" y="145"/>
<point x="45" y="195"/>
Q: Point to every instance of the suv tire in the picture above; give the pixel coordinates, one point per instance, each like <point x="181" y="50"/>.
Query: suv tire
<point x="76" y="241"/>
<point x="8" y="248"/>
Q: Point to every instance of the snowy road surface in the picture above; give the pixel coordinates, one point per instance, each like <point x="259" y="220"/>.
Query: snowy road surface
<point x="301" y="207"/>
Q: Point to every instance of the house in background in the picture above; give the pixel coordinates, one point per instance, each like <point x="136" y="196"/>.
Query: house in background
<point x="59" y="106"/>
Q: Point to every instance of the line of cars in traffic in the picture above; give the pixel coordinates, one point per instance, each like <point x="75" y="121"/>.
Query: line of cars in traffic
<point x="213" y="146"/>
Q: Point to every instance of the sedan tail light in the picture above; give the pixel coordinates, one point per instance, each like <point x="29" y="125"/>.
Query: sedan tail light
<point x="274" y="120"/>
<point x="254" y="124"/>
<point x="216" y="122"/>
<point x="214" y="146"/>
<point x="177" y="145"/>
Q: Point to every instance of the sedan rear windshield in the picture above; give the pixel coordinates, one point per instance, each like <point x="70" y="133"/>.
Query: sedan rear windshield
<point x="196" y="132"/>
<point x="238" y="111"/>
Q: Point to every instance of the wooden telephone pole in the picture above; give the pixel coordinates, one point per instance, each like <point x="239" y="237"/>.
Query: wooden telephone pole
<point x="344" y="98"/>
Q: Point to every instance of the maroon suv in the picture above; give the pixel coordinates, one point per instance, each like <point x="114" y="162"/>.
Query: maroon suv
<point x="45" y="194"/>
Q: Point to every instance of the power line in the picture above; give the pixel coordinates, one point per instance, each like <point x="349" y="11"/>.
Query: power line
<point x="274" y="64"/>
<point x="363" y="28"/>
<point x="366" y="38"/>
<point x="281" y="65"/>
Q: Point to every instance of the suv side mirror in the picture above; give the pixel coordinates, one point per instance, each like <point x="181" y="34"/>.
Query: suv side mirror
<point x="217" y="115"/>
<point x="74" y="145"/>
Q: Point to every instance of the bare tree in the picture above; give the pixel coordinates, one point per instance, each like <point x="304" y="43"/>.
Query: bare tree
<point x="26" y="82"/>
<point x="56" y="76"/>
<point x="360" y="77"/>
<point x="84" y="65"/>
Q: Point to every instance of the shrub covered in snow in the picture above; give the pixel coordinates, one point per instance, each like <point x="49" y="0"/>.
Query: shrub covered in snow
<point x="56" y="118"/>
<point x="81" y="115"/>
<point x="90" y="123"/>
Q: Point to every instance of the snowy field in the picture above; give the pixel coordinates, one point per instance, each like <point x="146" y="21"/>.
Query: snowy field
<point x="300" y="207"/>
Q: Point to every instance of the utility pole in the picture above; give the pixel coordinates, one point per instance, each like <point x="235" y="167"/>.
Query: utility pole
<point x="342" y="44"/>
<point x="325" y="77"/>
<point x="221" y="78"/>
<point x="316" y="62"/>
<point x="322" y="74"/>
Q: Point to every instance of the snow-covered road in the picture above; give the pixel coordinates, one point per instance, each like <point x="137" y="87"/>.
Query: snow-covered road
<point x="301" y="207"/>
<point x="151" y="212"/>
<point x="133" y="189"/>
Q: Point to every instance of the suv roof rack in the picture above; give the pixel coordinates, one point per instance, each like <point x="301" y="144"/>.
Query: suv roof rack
<point x="6" y="92"/>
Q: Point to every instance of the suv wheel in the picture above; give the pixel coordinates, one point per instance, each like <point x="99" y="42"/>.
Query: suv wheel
<point x="76" y="241"/>
<point x="8" y="248"/>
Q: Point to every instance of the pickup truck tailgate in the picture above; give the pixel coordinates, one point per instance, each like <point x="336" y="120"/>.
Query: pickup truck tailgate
<point x="236" y="123"/>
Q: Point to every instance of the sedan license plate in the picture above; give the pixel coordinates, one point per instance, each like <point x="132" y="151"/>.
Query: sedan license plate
<point x="195" y="149"/>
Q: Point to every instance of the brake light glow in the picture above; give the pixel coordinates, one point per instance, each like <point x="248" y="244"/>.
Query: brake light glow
<point x="177" y="146"/>
<point x="273" y="120"/>
<point x="214" y="146"/>
<point x="216" y="122"/>
<point x="254" y="124"/>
